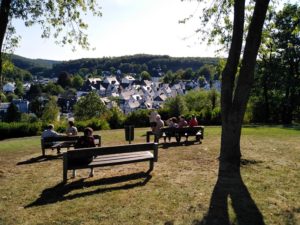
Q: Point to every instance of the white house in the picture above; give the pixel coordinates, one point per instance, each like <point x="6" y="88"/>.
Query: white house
<point x="131" y="106"/>
<point x="9" y="87"/>
<point x="112" y="80"/>
<point x="127" y="80"/>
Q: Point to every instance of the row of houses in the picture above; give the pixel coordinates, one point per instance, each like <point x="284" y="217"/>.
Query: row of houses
<point x="127" y="92"/>
<point x="133" y="94"/>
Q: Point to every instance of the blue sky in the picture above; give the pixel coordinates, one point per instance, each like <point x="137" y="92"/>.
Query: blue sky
<point x="127" y="27"/>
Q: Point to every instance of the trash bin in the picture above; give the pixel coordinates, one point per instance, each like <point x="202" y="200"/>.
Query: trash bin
<point x="129" y="133"/>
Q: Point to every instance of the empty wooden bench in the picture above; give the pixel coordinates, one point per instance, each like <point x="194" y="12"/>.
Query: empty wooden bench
<point x="63" y="142"/>
<point x="109" y="156"/>
<point x="178" y="133"/>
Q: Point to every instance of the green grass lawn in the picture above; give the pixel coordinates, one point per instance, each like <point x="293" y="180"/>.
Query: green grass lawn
<point x="179" y="190"/>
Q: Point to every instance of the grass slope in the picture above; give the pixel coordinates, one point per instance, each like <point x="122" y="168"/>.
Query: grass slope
<point x="179" y="190"/>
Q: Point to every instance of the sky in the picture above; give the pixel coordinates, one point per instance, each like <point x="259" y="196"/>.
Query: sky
<point x="127" y="27"/>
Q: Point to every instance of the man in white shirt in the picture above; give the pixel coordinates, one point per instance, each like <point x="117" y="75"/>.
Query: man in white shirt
<point x="49" y="132"/>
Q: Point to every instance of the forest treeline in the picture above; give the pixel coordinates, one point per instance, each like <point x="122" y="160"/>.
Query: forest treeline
<point x="95" y="66"/>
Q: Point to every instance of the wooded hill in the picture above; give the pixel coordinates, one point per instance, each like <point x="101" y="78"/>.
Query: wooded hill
<point x="127" y="64"/>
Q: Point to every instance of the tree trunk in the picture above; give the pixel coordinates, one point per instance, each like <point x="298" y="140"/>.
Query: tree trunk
<point x="4" y="15"/>
<point x="234" y="100"/>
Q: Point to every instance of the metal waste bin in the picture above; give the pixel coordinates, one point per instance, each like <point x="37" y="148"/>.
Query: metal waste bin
<point x="129" y="133"/>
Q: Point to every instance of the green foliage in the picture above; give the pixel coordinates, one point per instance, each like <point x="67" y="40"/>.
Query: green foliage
<point x="89" y="106"/>
<point x="276" y="93"/>
<point x="206" y="71"/>
<point x="52" y="89"/>
<point x="64" y="79"/>
<point x="77" y="82"/>
<point x="12" y="130"/>
<point x="96" y="124"/>
<point x="36" y="106"/>
<point x="116" y="118"/>
<point x="138" y="118"/>
<point x="59" y="19"/>
<point x="138" y="64"/>
<point x="28" y="118"/>
<point x="176" y="106"/>
<point x="13" y="114"/>
<point x="188" y="74"/>
<point x="51" y="111"/>
<point x="2" y="97"/>
<point x="12" y="72"/>
<point x="11" y="96"/>
<point x="145" y="75"/>
<point x="19" y="91"/>
<point x="34" y="91"/>
<point x="205" y="105"/>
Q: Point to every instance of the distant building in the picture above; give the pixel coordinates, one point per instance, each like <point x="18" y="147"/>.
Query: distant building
<point x="9" y="87"/>
<point x="23" y="105"/>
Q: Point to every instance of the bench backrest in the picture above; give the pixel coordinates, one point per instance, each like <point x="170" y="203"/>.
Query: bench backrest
<point x="48" y="141"/>
<point x="88" y="152"/>
<point x="183" y="130"/>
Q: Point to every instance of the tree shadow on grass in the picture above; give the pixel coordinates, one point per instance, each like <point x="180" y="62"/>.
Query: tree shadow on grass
<point x="40" y="159"/>
<point x="62" y="191"/>
<point x="231" y="190"/>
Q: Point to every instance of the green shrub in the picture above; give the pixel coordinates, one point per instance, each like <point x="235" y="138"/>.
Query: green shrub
<point x="96" y="124"/>
<point x="116" y="118"/>
<point x="139" y="118"/>
<point x="13" y="130"/>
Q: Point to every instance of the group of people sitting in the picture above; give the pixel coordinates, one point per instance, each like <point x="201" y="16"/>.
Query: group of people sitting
<point x="156" y="123"/>
<point x="70" y="131"/>
<point x="181" y="122"/>
<point x="85" y="141"/>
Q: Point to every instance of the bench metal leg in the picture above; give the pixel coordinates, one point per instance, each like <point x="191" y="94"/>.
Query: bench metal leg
<point x="74" y="174"/>
<point x="148" y="137"/>
<point x="92" y="172"/>
<point x="65" y="176"/>
<point x="151" y="165"/>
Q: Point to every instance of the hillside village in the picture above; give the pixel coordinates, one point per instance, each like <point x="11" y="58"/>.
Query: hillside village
<point x="115" y="90"/>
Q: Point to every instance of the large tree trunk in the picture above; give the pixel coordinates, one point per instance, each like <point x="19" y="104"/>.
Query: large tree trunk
<point x="4" y="16"/>
<point x="234" y="98"/>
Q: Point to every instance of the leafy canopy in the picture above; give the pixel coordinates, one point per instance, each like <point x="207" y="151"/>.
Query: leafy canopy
<point x="89" y="106"/>
<point x="62" y="20"/>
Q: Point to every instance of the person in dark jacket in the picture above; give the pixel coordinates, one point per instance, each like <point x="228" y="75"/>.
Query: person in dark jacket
<point x="85" y="141"/>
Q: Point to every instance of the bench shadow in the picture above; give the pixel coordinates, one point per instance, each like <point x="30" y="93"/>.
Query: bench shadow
<point x="40" y="159"/>
<point x="61" y="191"/>
<point x="231" y="190"/>
<point x="177" y="144"/>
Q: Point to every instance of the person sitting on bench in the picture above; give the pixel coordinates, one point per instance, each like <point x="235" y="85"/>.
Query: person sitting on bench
<point x="50" y="132"/>
<point x="71" y="130"/>
<point x="85" y="141"/>
<point x="156" y="130"/>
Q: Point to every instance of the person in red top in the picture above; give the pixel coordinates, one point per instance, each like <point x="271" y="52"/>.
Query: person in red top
<point x="193" y="122"/>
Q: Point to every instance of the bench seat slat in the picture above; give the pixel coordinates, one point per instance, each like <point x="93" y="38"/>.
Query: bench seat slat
<point x="99" y="161"/>
<point x="113" y="161"/>
<point x="124" y="155"/>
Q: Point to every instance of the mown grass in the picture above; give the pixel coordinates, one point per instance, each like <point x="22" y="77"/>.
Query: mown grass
<point x="178" y="191"/>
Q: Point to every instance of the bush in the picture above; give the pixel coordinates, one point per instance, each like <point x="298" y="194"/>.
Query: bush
<point x="139" y="118"/>
<point x="13" y="130"/>
<point x="116" y="118"/>
<point x="96" y="124"/>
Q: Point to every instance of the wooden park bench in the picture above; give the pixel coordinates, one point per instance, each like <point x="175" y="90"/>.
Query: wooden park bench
<point x="60" y="142"/>
<point x="109" y="156"/>
<point x="169" y="132"/>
